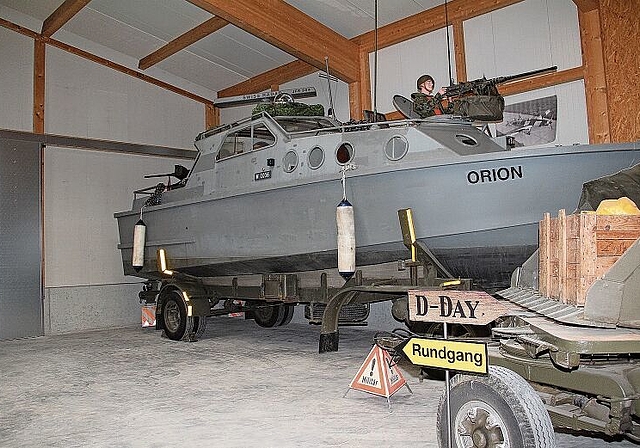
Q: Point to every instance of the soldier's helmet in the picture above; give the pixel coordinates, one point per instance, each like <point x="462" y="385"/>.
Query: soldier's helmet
<point x="424" y="78"/>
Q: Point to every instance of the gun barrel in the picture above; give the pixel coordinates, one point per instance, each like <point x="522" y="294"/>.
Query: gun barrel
<point x="524" y="75"/>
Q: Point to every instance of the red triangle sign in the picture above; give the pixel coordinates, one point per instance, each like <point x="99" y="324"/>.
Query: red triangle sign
<point x="378" y="375"/>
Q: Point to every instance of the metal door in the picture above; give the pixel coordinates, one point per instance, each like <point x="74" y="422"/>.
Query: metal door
<point x="20" y="239"/>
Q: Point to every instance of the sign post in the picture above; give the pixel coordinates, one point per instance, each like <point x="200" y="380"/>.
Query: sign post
<point x="459" y="307"/>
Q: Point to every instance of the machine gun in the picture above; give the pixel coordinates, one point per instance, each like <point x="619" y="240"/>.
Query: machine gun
<point x="484" y="86"/>
<point x="479" y="99"/>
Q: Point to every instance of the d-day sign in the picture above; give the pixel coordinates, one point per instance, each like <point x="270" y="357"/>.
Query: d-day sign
<point x="454" y="307"/>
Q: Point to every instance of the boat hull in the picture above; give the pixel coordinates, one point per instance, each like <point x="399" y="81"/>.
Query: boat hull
<point x="479" y="215"/>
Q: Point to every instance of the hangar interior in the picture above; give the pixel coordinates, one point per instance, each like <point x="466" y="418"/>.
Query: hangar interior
<point x="99" y="93"/>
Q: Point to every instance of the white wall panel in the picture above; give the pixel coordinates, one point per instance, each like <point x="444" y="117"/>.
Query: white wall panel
<point x="83" y="189"/>
<point x="399" y="66"/>
<point x="566" y="51"/>
<point x="85" y="99"/>
<point x="16" y="81"/>
<point x="526" y="36"/>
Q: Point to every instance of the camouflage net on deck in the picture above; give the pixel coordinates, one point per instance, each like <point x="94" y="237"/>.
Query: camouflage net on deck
<point x="290" y="109"/>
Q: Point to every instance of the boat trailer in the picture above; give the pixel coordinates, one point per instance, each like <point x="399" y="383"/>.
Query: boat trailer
<point x="183" y="302"/>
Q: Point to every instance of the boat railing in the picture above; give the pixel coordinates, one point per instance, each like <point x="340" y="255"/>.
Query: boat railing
<point x="338" y="128"/>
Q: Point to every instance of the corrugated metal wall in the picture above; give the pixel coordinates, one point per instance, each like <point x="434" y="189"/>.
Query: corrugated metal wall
<point x="20" y="240"/>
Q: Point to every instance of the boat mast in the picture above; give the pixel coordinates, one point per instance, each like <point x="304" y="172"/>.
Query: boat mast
<point x="446" y="23"/>
<point x="326" y="65"/>
<point x="375" y="62"/>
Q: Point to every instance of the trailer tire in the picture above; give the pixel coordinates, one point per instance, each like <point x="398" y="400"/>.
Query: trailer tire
<point x="501" y="409"/>
<point x="268" y="316"/>
<point x="289" y="309"/>
<point x="200" y="326"/>
<point x="177" y="325"/>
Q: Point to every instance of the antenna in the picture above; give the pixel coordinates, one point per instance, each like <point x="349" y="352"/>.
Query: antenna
<point x="446" y="25"/>
<point x="375" y="63"/>
<point x="326" y="65"/>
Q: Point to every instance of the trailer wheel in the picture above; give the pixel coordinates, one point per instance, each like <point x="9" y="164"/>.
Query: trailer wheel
<point x="269" y="315"/>
<point x="200" y="326"/>
<point x="177" y="325"/>
<point x="499" y="410"/>
<point x="289" y="309"/>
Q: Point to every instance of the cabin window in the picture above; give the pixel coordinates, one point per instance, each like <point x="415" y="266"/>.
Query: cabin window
<point x="466" y="140"/>
<point x="316" y="157"/>
<point x="344" y="153"/>
<point x="396" y="148"/>
<point x="290" y="161"/>
<point x="244" y="140"/>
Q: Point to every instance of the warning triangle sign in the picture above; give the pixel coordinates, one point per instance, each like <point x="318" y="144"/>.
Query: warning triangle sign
<point x="378" y="375"/>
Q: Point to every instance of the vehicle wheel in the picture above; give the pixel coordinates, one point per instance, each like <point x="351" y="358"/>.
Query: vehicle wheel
<point x="269" y="315"/>
<point x="177" y="325"/>
<point x="200" y="326"/>
<point x="498" y="410"/>
<point x="288" y="314"/>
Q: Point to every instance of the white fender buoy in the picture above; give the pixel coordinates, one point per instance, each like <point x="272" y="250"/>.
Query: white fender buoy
<point x="139" y="233"/>
<point x="346" y="239"/>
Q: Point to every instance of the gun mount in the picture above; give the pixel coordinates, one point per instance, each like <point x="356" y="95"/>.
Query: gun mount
<point x="478" y="99"/>
<point x="484" y="86"/>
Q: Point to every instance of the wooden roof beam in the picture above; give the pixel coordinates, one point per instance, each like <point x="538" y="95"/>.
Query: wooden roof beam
<point x="289" y="29"/>
<point x="264" y="81"/>
<point x="586" y="5"/>
<point x="183" y="41"/>
<point x="62" y="15"/>
<point x="424" y="22"/>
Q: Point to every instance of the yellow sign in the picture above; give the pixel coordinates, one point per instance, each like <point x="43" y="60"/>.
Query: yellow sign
<point x="445" y="354"/>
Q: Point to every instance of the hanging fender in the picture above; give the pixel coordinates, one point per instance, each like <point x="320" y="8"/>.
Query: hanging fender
<point x="346" y="239"/>
<point x="139" y="233"/>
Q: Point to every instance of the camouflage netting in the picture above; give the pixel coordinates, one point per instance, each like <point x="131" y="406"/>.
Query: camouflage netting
<point x="623" y="183"/>
<point x="290" y="109"/>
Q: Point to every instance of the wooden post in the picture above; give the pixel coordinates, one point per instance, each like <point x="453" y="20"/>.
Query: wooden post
<point x="595" y="82"/>
<point x="38" y="85"/>
<point x="211" y="116"/>
<point x="458" y="46"/>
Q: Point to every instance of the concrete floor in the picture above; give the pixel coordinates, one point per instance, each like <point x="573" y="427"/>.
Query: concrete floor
<point x="239" y="386"/>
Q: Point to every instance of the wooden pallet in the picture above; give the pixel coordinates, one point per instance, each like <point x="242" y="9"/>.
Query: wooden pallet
<point x="577" y="249"/>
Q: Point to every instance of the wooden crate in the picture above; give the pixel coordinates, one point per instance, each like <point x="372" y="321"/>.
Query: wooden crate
<point x="577" y="249"/>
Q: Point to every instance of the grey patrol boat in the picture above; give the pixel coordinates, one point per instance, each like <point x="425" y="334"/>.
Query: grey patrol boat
<point x="262" y="193"/>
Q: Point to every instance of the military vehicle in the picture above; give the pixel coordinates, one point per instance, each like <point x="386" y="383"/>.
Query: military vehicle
<point x="574" y="337"/>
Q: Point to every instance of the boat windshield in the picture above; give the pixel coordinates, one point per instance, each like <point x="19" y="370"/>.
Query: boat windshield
<point x="302" y="124"/>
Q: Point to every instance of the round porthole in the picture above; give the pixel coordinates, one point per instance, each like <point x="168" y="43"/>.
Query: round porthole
<point x="316" y="157"/>
<point x="344" y="153"/>
<point x="466" y="140"/>
<point x="396" y="148"/>
<point x="290" y="161"/>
